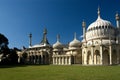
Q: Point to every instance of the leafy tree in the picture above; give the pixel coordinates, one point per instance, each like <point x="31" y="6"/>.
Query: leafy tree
<point x="3" y="41"/>
<point x="8" y="56"/>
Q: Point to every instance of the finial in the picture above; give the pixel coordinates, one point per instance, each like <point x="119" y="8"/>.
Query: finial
<point x="117" y="16"/>
<point x="58" y="37"/>
<point x="45" y="31"/>
<point x="75" y="35"/>
<point x="83" y="23"/>
<point x="30" y="35"/>
<point x="98" y="12"/>
<point x="30" y="39"/>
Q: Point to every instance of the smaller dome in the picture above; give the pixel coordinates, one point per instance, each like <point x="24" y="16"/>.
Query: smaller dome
<point x="75" y="42"/>
<point x="57" y="45"/>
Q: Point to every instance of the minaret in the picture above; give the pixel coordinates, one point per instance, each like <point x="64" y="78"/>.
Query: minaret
<point x="84" y="29"/>
<point x="58" y="38"/>
<point x="44" y="34"/>
<point x="30" y="39"/>
<point x="44" y="40"/>
<point x="117" y="17"/>
<point x="75" y="35"/>
<point x="98" y="12"/>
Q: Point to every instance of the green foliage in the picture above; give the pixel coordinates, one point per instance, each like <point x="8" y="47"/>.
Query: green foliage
<point x="3" y="41"/>
<point x="9" y="56"/>
<point x="74" y="72"/>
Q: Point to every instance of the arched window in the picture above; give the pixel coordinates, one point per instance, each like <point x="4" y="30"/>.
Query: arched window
<point x="97" y="27"/>
<point x="106" y="27"/>
<point x="102" y="27"/>
<point x="97" y="57"/>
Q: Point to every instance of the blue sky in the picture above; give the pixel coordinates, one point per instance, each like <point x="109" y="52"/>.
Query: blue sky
<point x="18" y="18"/>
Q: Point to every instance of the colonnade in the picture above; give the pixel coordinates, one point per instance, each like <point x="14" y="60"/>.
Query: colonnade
<point x="61" y="60"/>
<point x="38" y="59"/>
<point x="101" y="56"/>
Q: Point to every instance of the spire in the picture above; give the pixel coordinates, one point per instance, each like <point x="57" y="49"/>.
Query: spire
<point x="75" y="35"/>
<point x="83" y="24"/>
<point x="117" y="17"/>
<point x="84" y="28"/>
<point x="44" y="40"/>
<point x="98" y="12"/>
<point x="58" y="38"/>
<point x="45" y="31"/>
<point x="30" y="39"/>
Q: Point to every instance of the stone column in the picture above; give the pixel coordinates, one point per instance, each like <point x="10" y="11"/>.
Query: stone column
<point x="56" y="60"/>
<point x="101" y="56"/>
<point x="92" y="54"/>
<point x="110" y="54"/>
<point x="41" y="59"/>
<point x="69" y="60"/>
<point x="83" y="57"/>
<point x="62" y="60"/>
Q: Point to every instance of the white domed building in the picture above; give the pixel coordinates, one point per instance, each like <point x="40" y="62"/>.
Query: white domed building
<point x="67" y="54"/>
<point x="100" y="46"/>
<point x="101" y="43"/>
<point x="37" y="54"/>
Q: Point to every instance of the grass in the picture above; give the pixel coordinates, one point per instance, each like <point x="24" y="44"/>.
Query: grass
<point x="50" y="72"/>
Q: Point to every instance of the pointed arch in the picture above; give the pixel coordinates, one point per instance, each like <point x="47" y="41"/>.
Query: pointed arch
<point x="114" y="57"/>
<point x="97" y="57"/>
<point x="106" y="60"/>
<point x="89" y="57"/>
<point x="39" y="59"/>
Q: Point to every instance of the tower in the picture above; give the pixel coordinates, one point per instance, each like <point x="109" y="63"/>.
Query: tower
<point x="58" y="38"/>
<point x="117" y="17"/>
<point x="84" y="29"/>
<point x="30" y="39"/>
<point x="44" y="39"/>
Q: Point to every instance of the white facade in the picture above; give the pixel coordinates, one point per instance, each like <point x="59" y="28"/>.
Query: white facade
<point x="100" y="46"/>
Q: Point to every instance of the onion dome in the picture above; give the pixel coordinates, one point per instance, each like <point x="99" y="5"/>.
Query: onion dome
<point x="58" y="45"/>
<point x="99" y="22"/>
<point x="100" y="29"/>
<point x="75" y="42"/>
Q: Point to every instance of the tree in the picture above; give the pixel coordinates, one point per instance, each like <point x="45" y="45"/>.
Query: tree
<point x="8" y="56"/>
<point x="3" y="40"/>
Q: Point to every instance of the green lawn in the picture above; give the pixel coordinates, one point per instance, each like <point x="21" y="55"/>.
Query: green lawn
<point x="50" y="72"/>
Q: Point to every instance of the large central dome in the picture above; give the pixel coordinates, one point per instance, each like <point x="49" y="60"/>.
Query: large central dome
<point x="100" y="29"/>
<point x="98" y="23"/>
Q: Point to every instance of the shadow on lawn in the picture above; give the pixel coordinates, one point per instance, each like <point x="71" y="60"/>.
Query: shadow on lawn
<point x="12" y="66"/>
<point x="18" y="65"/>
